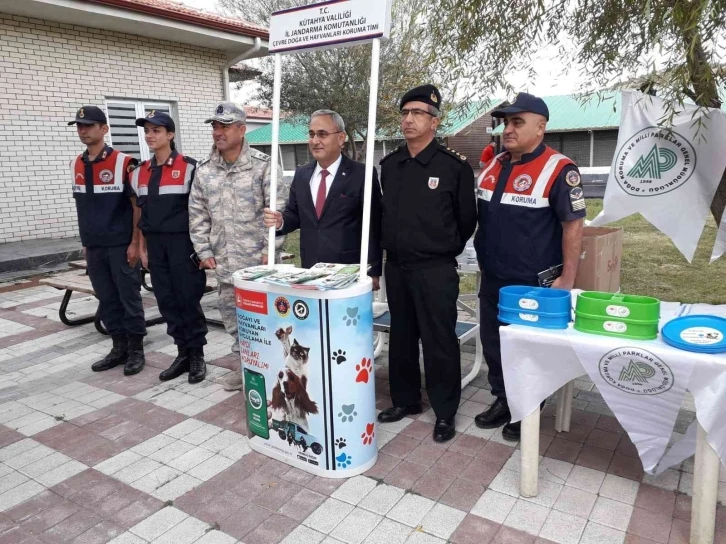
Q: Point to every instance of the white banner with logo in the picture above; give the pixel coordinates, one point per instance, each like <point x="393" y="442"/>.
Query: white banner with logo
<point x="668" y="175"/>
<point x="642" y="385"/>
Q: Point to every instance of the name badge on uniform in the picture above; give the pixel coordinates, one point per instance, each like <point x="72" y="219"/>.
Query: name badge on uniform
<point x="433" y="183"/>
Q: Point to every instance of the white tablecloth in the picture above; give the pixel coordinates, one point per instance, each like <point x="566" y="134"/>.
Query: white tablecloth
<point x="537" y="362"/>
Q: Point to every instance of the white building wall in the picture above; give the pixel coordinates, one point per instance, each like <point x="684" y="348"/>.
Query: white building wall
<point x="47" y="71"/>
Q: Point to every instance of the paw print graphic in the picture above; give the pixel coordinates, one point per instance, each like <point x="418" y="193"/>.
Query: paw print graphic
<point x="351" y="316"/>
<point x="364" y="370"/>
<point x="338" y="356"/>
<point x="344" y="460"/>
<point x="369" y="434"/>
<point x="340" y="443"/>
<point x="347" y="412"/>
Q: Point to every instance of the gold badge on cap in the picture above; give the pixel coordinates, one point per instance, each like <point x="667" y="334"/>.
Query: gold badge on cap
<point x="153" y="112"/>
<point x="434" y="99"/>
<point x="81" y="114"/>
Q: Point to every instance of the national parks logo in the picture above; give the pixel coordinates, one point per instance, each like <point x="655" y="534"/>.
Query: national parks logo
<point x="654" y="161"/>
<point x="636" y="371"/>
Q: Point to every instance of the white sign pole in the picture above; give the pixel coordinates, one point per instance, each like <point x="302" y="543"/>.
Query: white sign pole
<point x="370" y="147"/>
<point x="275" y="155"/>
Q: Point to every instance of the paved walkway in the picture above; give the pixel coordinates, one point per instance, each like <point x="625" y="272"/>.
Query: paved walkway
<point x="93" y="458"/>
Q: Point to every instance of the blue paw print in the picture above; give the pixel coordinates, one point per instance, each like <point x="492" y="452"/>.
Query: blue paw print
<point x="351" y="317"/>
<point x="347" y="412"/>
<point x="344" y="460"/>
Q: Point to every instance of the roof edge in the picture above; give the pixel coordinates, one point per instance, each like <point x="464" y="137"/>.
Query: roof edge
<point x="185" y="17"/>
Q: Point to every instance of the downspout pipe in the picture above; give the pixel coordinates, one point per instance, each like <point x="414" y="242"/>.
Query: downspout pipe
<point x="246" y="55"/>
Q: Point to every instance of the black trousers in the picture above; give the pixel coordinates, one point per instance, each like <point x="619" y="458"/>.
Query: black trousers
<point x="118" y="288"/>
<point x="422" y="302"/>
<point x="178" y="287"/>
<point x="489" y="330"/>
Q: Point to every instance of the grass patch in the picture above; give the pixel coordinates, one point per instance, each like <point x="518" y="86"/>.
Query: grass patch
<point x="651" y="264"/>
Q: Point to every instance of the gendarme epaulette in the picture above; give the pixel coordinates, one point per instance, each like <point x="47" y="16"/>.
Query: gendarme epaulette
<point x="399" y="148"/>
<point x="259" y="155"/>
<point x="453" y="153"/>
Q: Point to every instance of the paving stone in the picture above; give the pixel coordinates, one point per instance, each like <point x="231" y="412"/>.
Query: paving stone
<point x="356" y="526"/>
<point x="610" y="513"/>
<point x="354" y="489"/>
<point x="599" y="534"/>
<point x="159" y="523"/>
<point x="563" y="528"/>
<point x="410" y="510"/>
<point x="586" y="479"/>
<point x="619" y="489"/>
<point x="527" y="517"/>
<point x="575" y="502"/>
<point x="389" y="532"/>
<point x="381" y="499"/>
<point x="187" y="531"/>
<point x="442" y="521"/>
<point x="328" y="515"/>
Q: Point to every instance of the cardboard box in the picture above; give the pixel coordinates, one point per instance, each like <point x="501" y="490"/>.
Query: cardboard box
<point x="602" y="253"/>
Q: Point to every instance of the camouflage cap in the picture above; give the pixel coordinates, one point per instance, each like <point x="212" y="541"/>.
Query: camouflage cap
<point x="228" y="113"/>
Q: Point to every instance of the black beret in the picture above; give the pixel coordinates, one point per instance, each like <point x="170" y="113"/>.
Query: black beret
<point x="428" y="94"/>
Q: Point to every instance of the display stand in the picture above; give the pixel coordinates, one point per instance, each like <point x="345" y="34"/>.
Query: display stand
<point x="307" y="361"/>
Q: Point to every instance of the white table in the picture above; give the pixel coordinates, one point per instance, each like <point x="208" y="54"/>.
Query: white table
<point x="522" y="349"/>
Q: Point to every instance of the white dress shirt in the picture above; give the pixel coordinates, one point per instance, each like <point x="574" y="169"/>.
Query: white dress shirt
<point x="315" y="180"/>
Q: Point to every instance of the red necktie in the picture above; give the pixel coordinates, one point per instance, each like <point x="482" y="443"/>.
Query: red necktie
<point x="322" y="193"/>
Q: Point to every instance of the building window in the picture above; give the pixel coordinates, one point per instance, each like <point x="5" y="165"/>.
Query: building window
<point x="124" y="135"/>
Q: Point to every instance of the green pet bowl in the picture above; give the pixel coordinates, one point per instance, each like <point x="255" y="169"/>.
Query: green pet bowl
<point x="621" y="328"/>
<point x="617" y="306"/>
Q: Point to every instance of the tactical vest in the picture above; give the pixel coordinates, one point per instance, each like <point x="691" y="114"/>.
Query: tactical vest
<point x="519" y="233"/>
<point x="163" y="193"/>
<point x="105" y="214"/>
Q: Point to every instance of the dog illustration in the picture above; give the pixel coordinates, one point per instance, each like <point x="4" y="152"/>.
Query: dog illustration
<point x="290" y="400"/>
<point x="297" y="361"/>
<point x="283" y="335"/>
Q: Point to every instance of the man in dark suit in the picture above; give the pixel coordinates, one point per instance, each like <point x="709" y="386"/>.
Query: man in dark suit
<point x="326" y="202"/>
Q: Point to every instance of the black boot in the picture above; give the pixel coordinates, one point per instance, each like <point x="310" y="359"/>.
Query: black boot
<point x="136" y="360"/>
<point x="179" y="366"/>
<point x="117" y="356"/>
<point x="197" y="366"/>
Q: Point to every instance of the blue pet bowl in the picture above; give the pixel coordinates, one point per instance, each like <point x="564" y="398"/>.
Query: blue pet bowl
<point x="532" y="318"/>
<point x="535" y="300"/>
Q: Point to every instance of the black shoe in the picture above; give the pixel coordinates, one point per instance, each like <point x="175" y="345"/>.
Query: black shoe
<point x="397" y="413"/>
<point x="117" y="356"/>
<point x="197" y="366"/>
<point x="511" y="431"/>
<point x="495" y="416"/>
<point x="444" y="429"/>
<point x="179" y="366"/>
<point x="136" y="360"/>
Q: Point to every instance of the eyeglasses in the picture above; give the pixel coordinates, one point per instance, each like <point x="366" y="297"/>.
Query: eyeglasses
<point x="321" y="134"/>
<point x="417" y="113"/>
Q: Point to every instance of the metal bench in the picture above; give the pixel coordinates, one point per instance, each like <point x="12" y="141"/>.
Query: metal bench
<point x="465" y="330"/>
<point x="78" y="281"/>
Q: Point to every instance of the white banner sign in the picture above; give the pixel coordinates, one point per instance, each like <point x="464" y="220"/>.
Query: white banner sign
<point x="335" y="23"/>
<point x="669" y="176"/>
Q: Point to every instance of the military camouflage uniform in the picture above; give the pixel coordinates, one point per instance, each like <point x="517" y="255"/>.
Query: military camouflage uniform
<point x="225" y="218"/>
